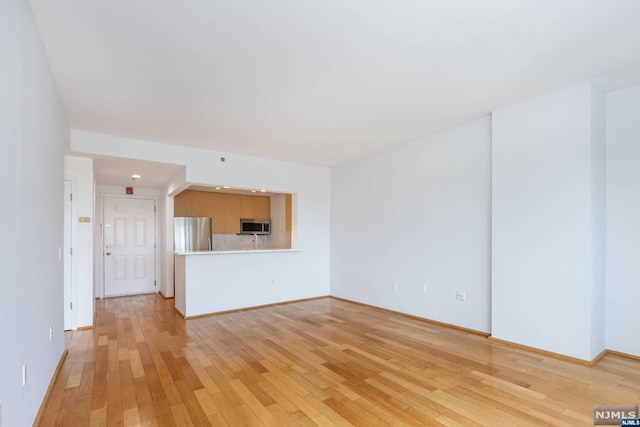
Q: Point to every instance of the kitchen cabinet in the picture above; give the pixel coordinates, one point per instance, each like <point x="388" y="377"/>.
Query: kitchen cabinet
<point x="188" y="203"/>
<point x="256" y="207"/>
<point x="213" y="207"/>
<point x="225" y="210"/>
<point x="232" y="214"/>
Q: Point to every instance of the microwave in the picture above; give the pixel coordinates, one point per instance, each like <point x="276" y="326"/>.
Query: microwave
<point x="255" y="226"/>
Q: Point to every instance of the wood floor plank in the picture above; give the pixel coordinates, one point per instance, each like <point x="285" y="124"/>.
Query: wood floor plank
<point x="323" y="362"/>
<point x="98" y="417"/>
<point x="254" y="404"/>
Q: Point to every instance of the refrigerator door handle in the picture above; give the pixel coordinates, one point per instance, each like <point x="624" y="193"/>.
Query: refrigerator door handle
<point x="210" y="244"/>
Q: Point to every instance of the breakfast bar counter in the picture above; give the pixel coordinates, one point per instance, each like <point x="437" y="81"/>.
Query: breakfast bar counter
<point x="217" y="281"/>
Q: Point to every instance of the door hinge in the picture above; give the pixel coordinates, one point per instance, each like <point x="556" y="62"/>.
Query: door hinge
<point x="70" y="306"/>
<point x="71" y="196"/>
<point x="154" y="208"/>
<point x="71" y="251"/>
<point x="154" y="284"/>
<point x="154" y="246"/>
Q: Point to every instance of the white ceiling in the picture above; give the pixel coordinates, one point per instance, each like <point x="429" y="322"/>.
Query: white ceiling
<point x="243" y="191"/>
<point x="321" y="82"/>
<point x="118" y="171"/>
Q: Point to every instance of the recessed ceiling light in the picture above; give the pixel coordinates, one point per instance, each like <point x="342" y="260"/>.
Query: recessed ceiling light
<point x="226" y="186"/>
<point x="218" y="188"/>
<point x="263" y="191"/>
<point x="253" y="191"/>
<point x="135" y="176"/>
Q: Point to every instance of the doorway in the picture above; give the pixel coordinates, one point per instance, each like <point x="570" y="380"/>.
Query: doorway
<point x="129" y="247"/>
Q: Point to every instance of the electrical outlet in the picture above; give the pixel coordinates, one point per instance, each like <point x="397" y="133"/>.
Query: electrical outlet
<point x="50" y="333"/>
<point x="424" y="289"/>
<point x="460" y="295"/>
<point x="395" y="285"/>
<point x="24" y="374"/>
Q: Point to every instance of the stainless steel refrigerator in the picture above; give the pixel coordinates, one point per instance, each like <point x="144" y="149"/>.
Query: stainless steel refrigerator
<point x="192" y="234"/>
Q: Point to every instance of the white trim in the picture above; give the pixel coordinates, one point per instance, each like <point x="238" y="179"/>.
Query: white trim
<point x="98" y="248"/>
<point x="74" y="245"/>
<point x="130" y="295"/>
<point x="249" y="251"/>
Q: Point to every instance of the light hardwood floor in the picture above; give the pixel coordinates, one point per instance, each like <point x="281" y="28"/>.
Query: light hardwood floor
<point x="322" y="362"/>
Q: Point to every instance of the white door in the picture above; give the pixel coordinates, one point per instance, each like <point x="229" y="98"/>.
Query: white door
<point x="67" y="252"/>
<point x="129" y="246"/>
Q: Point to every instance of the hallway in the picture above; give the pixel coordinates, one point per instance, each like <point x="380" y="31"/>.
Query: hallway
<point x="319" y="362"/>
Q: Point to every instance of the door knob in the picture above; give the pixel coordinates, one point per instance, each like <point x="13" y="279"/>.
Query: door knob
<point x="108" y="253"/>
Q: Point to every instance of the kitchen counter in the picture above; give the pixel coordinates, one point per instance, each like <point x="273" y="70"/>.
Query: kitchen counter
<point x="217" y="281"/>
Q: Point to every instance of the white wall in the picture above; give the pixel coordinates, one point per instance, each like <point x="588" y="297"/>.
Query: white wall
<point x="80" y="171"/>
<point x="167" y="288"/>
<point x="32" y="137"/>
<point x="176" y="183"/>
<point x="139" y="192"/>
<point x="418" y="214"/>
<point x="623" y="220"/>
<point x="598" y="219"/>
<point x="228" y="281"/>
<point x="311" y="183"/>
<point x="544" y="291"/>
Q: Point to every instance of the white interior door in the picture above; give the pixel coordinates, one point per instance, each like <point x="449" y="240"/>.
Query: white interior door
<point x="67" y="252"/>
<point x="129" y="246"/>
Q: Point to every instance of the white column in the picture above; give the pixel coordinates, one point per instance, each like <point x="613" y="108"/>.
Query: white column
<point x="623" y="220"/>
<point x="548" y="222"/>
